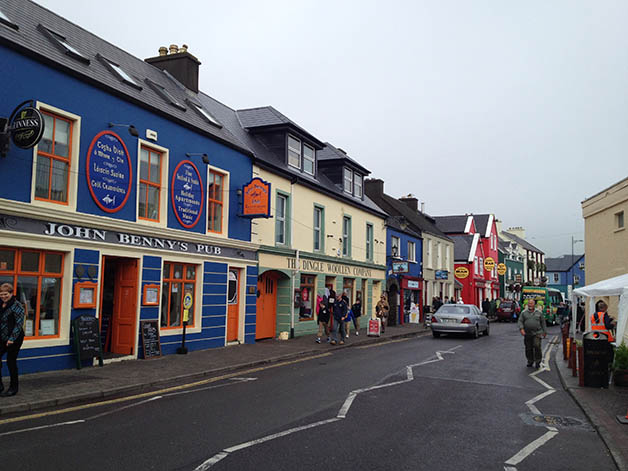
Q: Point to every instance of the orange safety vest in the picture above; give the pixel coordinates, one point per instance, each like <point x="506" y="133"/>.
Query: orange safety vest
<point x="597" y="324"/>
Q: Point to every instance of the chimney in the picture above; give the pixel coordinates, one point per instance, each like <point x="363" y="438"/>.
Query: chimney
<point x="179" y="63"/>
<point x="518" y="231"/>
<point x="423" y="207"/>
<point x="374" y="186"/>
<point x="411" y="202"/>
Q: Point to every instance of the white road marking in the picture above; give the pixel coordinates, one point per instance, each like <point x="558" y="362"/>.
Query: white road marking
<point x="531" y="402"/>
<point x="41" y="427"/>
<point x="510" y="468"/>
<point x="529" y="449"/>
<point x="342" y="413"/>
<point x="113" y="411"/>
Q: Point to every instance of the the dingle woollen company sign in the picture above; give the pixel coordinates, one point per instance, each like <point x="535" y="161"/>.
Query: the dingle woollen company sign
<point x="461" y="272"/>
<point x="27" y="127"/>
<point x="256" y="199"/>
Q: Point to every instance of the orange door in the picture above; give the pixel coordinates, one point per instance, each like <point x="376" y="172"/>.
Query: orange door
<point x="233" y="304"/>
<point x="266" y="306"/>
<point x="125" y="307"/>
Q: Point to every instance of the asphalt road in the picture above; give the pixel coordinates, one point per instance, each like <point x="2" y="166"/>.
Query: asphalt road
<point x="439" y="404"/>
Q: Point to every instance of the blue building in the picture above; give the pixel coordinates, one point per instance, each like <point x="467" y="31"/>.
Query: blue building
<point x="565" y="273"/>
<point x="404" y="253"/>
<point x="129" y="207"/>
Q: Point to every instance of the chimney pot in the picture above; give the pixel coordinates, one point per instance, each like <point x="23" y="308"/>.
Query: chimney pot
<point x="183" y="67"/>
<point x="163" y="51"/>
<point x="374" y="186"/>
<point x="184" y="48"/>
<point x="174" y="49"/>
<point x="423" y="206"/>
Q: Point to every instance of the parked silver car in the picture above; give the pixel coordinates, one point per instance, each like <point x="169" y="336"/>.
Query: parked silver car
<point x="459" y="319"/>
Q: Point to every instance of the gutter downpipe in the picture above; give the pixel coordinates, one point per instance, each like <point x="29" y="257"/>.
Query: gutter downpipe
<point x="295" y="273"/>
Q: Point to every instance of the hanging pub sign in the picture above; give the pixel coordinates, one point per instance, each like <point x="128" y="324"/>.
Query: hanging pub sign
<point x="501" y="269"/>
<point x="109" y="172"/>
<point x="461" y="272"/>
<point x="187" y="194"/>
<point x="256" y="199"/>
<point x="489" y="264"/>
<point x="400" y="267"/>
<point x="27" y="126"/>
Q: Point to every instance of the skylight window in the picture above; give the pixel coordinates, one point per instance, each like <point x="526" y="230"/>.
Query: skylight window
<point x="61" y="42"/>
<point x="118" y="71"/>
<point x="4" y="19"/>
<point x="165" y="94"/>
<point x="204" y="113"/>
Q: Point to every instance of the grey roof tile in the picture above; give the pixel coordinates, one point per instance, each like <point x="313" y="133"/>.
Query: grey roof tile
<point x="563" y="263"/>
<point x="462" y="247"/>
<point x="452" y="224"/>
<point x="522" y="242"/>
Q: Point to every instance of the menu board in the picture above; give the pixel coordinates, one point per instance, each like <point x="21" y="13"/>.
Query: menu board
<point x="187" y="194"/>
<point x="87" y="339"/>
<point x="150" y="338"/>
<point x="109" y="171"/>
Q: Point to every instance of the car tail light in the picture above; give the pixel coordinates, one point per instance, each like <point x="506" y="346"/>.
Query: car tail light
<point x="434" y="319"/>
<point x="465" y="321"/>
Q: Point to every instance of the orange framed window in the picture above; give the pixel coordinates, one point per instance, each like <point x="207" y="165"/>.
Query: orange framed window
<point x="178" y="279"/>
<point x="215" y="201"/>
<point x="54" y="153"/>
<point x="36" y="276"/>
<point x="150" y="184"/>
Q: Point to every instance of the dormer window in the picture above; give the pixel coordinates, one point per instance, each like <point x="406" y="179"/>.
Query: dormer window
<point x="308" y="159"/>
<point x="353" y="182"/>
<point x="61" y="42"/>
<point x="294" y="152"/>
<point x="4" y="19"/>
<point x="118" y="71"/>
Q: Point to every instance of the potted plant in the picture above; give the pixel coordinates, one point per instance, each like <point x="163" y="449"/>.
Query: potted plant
<point x="620" y="366"/>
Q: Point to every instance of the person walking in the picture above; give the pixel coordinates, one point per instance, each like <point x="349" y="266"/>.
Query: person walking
<point x="602" y="322"/>
<point x="323" y="319"/>
<point x="11" y="336"/>
<point x="356" y="311"/>
<point x="532" y="327"/>
<point x="486" y="306"/>
<point x="381" y="311"/>
<point x="349" y="317"/>
<point x="340" y="314"/>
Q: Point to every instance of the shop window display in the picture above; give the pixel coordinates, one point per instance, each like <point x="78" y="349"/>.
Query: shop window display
<point x="178" y="279"/>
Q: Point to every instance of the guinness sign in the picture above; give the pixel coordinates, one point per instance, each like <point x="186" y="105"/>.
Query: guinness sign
<point x="27" y="127"/>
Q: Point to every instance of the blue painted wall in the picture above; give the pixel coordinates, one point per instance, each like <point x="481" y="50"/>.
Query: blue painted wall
<point x="28" y="79"/>
<point x="415" y="269"/>
<point x="566" y="278"/>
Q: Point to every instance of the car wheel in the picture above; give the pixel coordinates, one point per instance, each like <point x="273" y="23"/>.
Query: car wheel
<point x="488" y="329"/>
<point x="435" y="334"/>
<point x="476" y="332"/>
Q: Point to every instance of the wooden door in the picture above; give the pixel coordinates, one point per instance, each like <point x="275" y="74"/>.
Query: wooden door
<point x="266" y="306"/>
<point x="125" y="307"/>
<point x="233" y="304"/>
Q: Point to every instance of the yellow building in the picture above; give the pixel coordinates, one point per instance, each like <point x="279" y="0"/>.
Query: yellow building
<point x="323" y="234"/>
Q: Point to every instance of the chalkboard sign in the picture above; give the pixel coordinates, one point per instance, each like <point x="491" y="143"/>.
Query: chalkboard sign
<point x="87" y="339"/>
<point x="150" y="338"/>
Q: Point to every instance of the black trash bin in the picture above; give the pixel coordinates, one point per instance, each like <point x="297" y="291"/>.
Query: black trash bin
<point x="596" y="349"/>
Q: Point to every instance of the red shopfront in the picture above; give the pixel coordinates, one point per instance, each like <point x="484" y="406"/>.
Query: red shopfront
<point x="411" y="298"/>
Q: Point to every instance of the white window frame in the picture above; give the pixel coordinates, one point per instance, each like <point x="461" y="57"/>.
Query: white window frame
<point x="438" y="259"/>
<point x="313" y="160"/>
<point x="428" y="253"/>
<point x="411" y="251"/>
<point x="369" y="241"/>
<point x="296" y="150"/>
<point x="446" y="257"/>
<point x="163" y="191"/>
<point x="226" y="180"/>
<point x="346" y="236"/>
<point x="620" y="222"/>
<point x="282" y="220"/>
<point x="318" y="209"/>
<point x="357" y="177"/>
<point x="347" y="172"/>
<point x="395" y="242"/>
<point x="576" y="279"/>
<point x="556" y="277"/>
<point x="476" y="266"/>
<point x="74" y="162"/>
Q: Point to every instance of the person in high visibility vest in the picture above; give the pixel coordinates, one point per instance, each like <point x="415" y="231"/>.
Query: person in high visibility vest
<point x="601" y="321"/>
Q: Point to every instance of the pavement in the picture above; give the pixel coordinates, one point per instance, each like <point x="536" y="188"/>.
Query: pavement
<point x="601" y="406"/>
<point x="61" y="388"/>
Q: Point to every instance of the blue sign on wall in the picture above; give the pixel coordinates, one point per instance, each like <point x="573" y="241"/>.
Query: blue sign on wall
<point x="187" y="194"/>
<point x="442" y="274"/>
<point x="109" y="171"/>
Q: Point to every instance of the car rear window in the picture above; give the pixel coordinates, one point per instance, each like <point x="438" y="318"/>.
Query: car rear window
<point x="454" y="310"/>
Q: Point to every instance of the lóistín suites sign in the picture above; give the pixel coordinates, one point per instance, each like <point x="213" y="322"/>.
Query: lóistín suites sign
<point x="187" y="194"/>
<point x="27" y="127"/>
<point x="109" y="172"/>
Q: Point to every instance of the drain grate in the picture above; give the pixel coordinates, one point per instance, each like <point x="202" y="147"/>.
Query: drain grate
<point x="558" y="421"/>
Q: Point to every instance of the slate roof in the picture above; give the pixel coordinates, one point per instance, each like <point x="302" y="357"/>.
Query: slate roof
<point x="452" y="224"/>
<point x="563" y="263"/>
<point x="231" y="119"/>
<point x="330" y="152"/>
<point x="419" y="222"/>
<point x="462" y="246"/>
<point x="481" y="223"/>
<point x="268" y="116"/>
<point x="30" y="40"/>
<point x="522" y="242"/>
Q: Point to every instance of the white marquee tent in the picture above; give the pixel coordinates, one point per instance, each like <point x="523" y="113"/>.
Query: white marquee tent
<point x="617" y="286"/>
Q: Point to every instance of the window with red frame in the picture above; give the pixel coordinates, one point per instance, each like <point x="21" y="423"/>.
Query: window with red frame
<point x="53" y="160"/>
<point x="178" y="279"/>
<point x="36" y="276"/>
<point x="215" y="201"/>
<point x="150" y="184"/>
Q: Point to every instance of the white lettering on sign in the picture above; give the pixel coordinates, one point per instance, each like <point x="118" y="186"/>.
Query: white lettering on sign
<point x="65" y="230"/>
<point x="328" y="267"/>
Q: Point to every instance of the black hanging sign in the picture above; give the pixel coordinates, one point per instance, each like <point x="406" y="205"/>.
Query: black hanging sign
<point x="87" y="339"/>
<point x="26" y="126"/>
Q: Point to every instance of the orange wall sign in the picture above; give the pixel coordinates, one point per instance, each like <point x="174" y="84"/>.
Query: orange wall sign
<point x="256" y="199"/>
<point x="461" y="272"/>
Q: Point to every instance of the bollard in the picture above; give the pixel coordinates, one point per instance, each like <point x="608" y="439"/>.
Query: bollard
<point x="580" y="365"/>
<point x="568" y="356"/>
<point x="573" y="359"/>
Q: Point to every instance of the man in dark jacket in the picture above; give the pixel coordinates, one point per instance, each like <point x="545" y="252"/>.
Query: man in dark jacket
<point x="486" y="306"/>
<point x="340" y="315"/>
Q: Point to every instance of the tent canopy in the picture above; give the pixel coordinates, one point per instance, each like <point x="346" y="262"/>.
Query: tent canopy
<point x="617" y="286"/>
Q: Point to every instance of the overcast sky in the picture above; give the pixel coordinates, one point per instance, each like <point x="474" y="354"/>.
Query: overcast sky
<point x="514" y="108"/>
